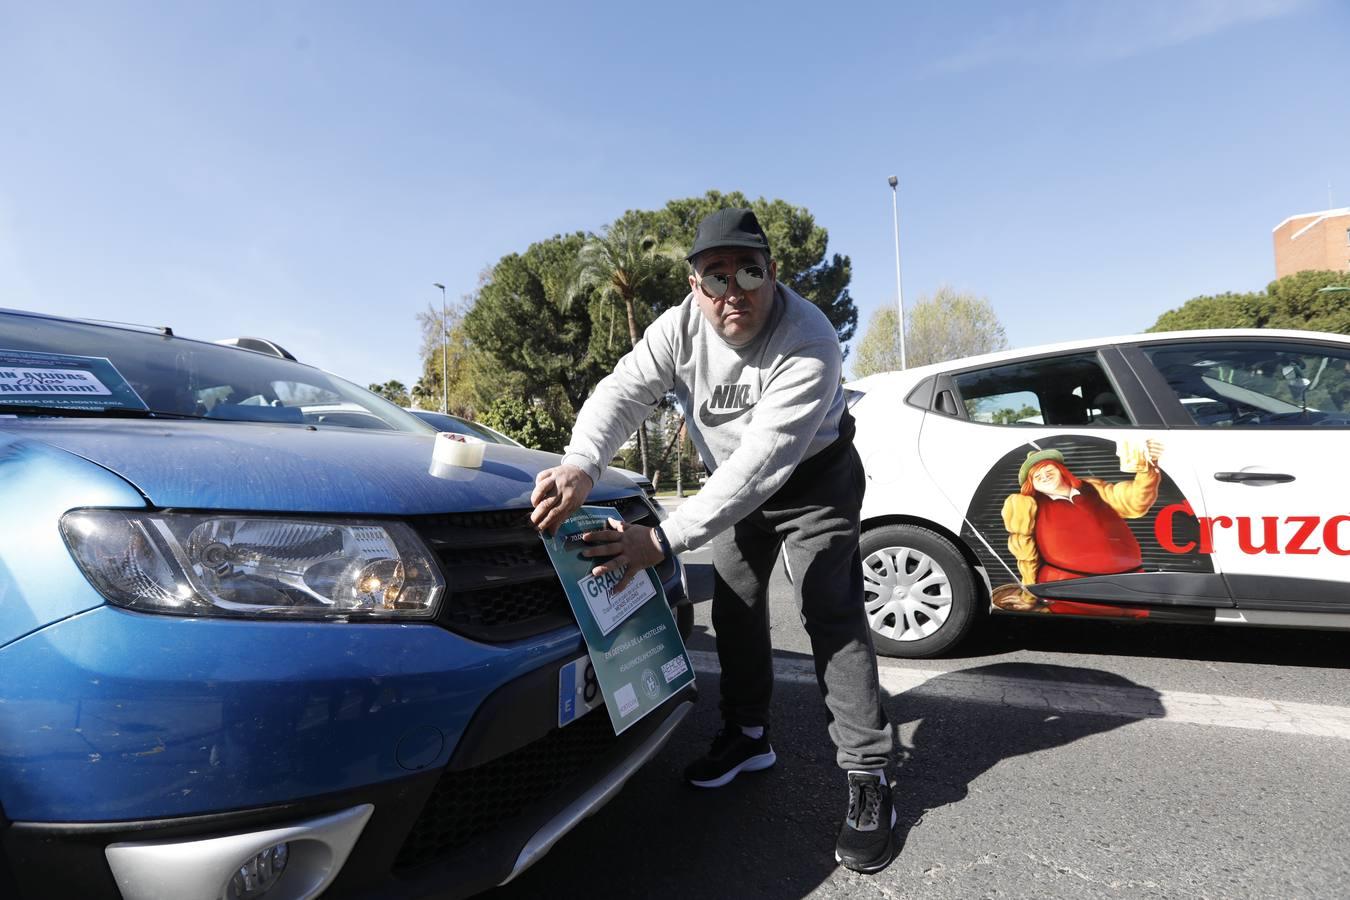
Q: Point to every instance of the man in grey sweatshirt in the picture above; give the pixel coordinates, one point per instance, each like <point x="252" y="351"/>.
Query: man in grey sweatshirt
<point x="756" y="370"/>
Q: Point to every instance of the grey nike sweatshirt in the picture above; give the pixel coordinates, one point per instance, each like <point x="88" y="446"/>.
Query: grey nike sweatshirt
<point x="754" y="412"/>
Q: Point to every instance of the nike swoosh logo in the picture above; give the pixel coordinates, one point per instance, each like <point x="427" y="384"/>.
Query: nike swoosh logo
<point x="712" y="419"/>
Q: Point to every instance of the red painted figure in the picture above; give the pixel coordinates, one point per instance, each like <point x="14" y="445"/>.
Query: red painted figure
<point x="1062" y="527"/>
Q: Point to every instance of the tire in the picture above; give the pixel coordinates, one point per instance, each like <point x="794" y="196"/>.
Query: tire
<point x="919" y="591"/>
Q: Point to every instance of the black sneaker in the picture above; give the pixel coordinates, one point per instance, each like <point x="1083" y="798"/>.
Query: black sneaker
<point x="731" y="754"/>
<point x="867" y="840"/>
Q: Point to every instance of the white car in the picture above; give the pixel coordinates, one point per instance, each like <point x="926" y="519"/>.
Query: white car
<point x="1183" y="477"/>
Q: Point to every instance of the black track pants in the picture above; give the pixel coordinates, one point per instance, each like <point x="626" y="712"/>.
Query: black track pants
<point x="814" y="520"/>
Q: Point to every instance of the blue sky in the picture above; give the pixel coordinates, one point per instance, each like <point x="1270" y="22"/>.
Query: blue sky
<point x="305" y="171"/>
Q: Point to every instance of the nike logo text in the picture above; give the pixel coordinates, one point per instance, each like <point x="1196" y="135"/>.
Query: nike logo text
<point x="733" y="398"/>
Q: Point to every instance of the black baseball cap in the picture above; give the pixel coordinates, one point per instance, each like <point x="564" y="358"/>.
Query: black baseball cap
<point x="729" y="228"/>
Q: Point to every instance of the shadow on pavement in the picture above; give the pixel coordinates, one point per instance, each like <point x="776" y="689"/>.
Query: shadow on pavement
<point x="771" y="834"/>
<point x="951" y="743"/>
<point x="998" y="635"/>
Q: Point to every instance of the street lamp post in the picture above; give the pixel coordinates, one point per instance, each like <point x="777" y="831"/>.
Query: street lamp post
<point x="445" y="353"/>
<point x="899" y="291"/>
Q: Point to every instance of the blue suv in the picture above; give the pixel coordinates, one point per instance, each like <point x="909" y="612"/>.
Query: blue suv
<point x="252" y="647"/>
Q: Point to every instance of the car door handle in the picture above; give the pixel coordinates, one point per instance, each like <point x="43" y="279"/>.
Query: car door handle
<point x="1255" y="479"/>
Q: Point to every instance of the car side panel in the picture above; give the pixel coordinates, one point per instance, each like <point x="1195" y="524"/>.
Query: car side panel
<point x="1283" y="543"/>
<point x="976" y="467"/>
<point x="887" y="441"/>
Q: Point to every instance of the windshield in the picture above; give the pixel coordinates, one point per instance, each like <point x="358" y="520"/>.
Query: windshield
<point x="53" y="367"/>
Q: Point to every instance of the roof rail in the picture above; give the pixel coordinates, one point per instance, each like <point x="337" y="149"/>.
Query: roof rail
<point x="165" y="330"/>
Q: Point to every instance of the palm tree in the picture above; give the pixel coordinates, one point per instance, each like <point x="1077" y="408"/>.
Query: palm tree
<point x="392" y="390"/>
<point x="422" y="392"/>
<point x="618" y="262"/>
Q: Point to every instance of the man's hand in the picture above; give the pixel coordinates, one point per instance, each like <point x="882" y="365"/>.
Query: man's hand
<point x="558" y="492"/>
<point x="631" y="548"/>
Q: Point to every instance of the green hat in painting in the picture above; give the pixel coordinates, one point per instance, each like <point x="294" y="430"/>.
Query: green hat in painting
<point x="1035" y="457"/>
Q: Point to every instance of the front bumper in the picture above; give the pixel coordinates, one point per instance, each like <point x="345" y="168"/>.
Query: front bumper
<point x="523" y="801"/>
<point x="124" y="728"/>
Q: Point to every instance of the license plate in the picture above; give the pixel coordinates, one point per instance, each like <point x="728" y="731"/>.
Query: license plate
<point x="578" y="690"/>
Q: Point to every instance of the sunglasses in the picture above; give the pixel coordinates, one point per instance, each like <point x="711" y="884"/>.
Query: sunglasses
<point x="747" y="277"/>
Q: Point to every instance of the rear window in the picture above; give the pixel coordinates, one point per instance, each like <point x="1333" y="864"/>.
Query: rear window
<point x="1058" y="390"/>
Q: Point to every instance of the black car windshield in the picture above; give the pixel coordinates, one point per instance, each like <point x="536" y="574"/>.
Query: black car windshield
<point x="57" y="367"/>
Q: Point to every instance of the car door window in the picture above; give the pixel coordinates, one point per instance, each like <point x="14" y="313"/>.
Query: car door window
<point x="1061" y="390"/>
<point x="1258" y="384"/>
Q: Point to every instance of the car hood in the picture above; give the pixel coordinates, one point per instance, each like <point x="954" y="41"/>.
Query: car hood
<point x="339" y="471"/>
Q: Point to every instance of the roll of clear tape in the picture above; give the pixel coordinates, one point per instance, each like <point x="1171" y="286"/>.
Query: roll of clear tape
<point x="456" y="450"/>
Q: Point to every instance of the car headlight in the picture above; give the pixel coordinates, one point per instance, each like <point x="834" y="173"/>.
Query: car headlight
<point x="222" y="565"/>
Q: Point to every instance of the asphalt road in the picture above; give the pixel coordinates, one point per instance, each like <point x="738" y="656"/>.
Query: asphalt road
<point x="1047" y="759"/>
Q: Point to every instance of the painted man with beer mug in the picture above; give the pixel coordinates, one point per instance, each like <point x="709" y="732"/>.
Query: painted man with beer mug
<point x="1061" y="526"/>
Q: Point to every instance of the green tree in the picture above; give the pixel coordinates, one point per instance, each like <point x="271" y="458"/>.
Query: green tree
<point x="472" y="375"/>
<point x="798" y="244"/>
<point x="1294" y="301"/>
<point x="530" y="423"/>
<point x="951" y="325"/>
<point x="946" y="325"/>
<point x="1009" y="416"/>
<point x="879" y="349"/>
<point x="670" y="454"/>
<point x="1299" y="301"/>
<point x="1230" y="310"/>
<point x="393" y="391"/>
<point x="537" y="342"/>
<point x="542" y="324"/>
<point x="423" y="394"/>
<point x="616" y="265"/>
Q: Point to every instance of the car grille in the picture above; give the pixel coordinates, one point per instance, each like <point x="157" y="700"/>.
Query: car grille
<point x="470" y="803"/>
<point x="500" y="583"/>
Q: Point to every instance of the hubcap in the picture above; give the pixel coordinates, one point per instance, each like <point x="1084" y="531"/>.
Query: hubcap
<point x="907" y="594"/>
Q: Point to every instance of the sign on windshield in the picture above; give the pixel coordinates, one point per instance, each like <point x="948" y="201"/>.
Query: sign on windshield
<point x="61" y="381"/>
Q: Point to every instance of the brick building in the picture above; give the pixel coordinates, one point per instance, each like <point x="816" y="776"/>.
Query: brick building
<point x="1318" y="240"/>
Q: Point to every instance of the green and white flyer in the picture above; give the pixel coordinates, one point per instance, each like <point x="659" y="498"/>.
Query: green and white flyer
<point x="635" y="648"/>
<point x="62" y="381"/>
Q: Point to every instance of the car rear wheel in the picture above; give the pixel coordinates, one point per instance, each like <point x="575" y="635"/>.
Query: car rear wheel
<point x="918" y="590"/>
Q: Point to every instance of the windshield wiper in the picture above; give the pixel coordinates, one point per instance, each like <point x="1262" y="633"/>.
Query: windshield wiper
<point x="110" y="412"/>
